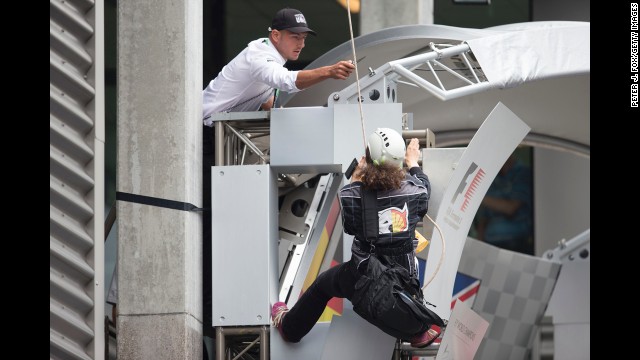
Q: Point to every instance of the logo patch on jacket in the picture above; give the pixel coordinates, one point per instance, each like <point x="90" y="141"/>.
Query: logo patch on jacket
<point x="393" y="220"/>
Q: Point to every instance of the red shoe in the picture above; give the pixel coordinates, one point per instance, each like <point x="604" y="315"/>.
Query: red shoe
<point x="426" y="338"/>
<point x="278" y="312"/>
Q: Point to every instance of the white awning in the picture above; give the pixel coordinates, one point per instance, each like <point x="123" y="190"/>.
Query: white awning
<point x="534" y="52"/>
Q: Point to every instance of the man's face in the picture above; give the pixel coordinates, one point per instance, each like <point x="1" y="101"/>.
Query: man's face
<point x="289" y="44"/>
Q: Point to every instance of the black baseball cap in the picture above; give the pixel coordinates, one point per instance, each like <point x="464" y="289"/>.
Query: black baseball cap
<point x="292" y="20"/>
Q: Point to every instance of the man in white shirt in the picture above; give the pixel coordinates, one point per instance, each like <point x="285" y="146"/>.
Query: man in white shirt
<point x="248" y="81"/>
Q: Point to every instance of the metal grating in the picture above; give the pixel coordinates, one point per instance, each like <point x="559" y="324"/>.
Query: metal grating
<point x="76" y="180"/>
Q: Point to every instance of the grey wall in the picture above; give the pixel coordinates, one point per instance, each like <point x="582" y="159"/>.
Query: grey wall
<point x="562" y="196"/>
<point x="76" y="180"/>
<point x="568" y="10"/>
<point x="159" y="154"/>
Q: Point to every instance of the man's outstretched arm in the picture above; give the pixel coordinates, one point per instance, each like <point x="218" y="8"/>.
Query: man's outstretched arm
<point x="340" y="70"/>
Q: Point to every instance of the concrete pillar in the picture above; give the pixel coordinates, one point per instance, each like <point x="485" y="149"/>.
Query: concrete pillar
<point x="380" y="14"/>
<point x="160" y="156"/>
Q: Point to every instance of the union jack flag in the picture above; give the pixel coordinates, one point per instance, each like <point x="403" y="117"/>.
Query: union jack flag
<point x="465" y="289"/>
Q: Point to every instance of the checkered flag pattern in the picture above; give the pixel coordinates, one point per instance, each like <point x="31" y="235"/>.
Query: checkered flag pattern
<point x="513" y="296"/>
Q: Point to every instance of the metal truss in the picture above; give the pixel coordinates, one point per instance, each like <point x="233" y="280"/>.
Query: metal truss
<point x="447" y="71"/>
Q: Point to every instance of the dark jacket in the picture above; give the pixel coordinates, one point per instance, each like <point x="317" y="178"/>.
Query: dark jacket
<point x="399" y="211"/>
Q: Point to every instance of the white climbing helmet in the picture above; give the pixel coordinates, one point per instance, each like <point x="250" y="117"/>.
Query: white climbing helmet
<point x="386" y="145"/>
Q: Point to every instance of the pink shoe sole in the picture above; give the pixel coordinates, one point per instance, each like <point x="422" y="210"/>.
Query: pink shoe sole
<point x="427" y="338"/>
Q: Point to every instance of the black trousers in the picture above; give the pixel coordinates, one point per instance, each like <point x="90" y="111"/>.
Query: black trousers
<point x="339" y="281"/>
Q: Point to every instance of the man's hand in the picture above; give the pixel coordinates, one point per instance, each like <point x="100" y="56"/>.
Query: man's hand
<point x="357" y="173"/>
<point x="412" y="155"/>
<point x="340" y="71"/>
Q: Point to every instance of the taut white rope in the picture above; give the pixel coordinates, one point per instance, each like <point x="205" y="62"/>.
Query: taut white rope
<point x="355" y="63"/>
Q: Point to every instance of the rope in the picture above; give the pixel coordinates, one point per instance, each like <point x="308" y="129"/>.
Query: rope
<point x="355" y="63"/>
<point x="441" y="254"/>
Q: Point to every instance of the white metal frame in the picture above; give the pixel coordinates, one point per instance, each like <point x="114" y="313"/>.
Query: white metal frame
<point x="405" y="68"/>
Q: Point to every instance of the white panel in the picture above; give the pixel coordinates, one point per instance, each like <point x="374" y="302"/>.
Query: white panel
<point x="76" y="181"/>
<point x="490" y="147"/>
<point x="325" y="139"/>
<point x="352" y="337"/>
<point x="243" y="244"/>
<point x="310" y="348"/>
<point x="438" y="164"/>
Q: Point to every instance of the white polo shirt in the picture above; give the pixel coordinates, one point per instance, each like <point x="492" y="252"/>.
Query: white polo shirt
<point x="248" y="80"/>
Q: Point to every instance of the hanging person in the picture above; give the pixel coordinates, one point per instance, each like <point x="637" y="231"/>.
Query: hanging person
<point x="402" y="202"/>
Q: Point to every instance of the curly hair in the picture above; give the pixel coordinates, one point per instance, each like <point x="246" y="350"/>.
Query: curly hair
<point x="386" y="176"/>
